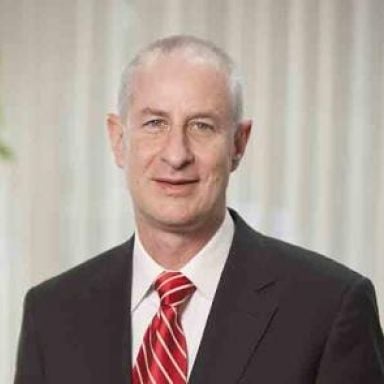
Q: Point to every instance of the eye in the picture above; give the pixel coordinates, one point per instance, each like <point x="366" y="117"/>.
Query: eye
<point x="155" y="124"/>
<point x="202" y="127"/>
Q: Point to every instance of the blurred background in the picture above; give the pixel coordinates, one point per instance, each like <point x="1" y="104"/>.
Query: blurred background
<point x="314" y="170"/>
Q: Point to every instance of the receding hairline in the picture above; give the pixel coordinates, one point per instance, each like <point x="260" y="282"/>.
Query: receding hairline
<point x="191" y="48"/>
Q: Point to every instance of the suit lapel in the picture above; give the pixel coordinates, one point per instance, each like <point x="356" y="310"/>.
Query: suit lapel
<point x="104" y="318"/>
<point x="244" y="305"/>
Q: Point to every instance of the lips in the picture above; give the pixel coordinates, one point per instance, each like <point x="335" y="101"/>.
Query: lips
<point x="170" y="181"/>
<point x="176" y="187"/>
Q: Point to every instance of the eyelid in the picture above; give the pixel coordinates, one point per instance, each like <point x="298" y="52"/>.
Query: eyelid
<point x="207" y="124"/>
<point x="156" y="120"/>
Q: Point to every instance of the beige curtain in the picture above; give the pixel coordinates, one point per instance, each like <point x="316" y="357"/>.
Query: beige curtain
<point x="314" y="170"/>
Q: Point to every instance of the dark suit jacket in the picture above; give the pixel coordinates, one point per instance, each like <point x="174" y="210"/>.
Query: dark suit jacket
<point x="281" y="315"/>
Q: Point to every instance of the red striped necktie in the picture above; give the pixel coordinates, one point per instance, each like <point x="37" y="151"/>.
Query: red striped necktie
<point x="162" y="358"/>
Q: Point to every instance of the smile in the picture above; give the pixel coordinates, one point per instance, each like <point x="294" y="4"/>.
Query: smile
<point x="176" y="181"/>
<point x="176" y="186"/>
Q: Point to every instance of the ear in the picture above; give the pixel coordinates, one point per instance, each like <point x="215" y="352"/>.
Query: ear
<point x="241" y="137"/>
<point x="116" y="138"/>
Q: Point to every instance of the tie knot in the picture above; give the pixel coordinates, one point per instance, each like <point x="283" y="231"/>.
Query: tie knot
<point x="173" y="288"/>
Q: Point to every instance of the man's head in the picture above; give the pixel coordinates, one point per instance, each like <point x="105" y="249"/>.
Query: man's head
<point x="179" y="132"/>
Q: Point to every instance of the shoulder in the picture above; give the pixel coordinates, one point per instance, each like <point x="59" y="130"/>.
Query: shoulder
<point x="307" y="264"/>
<point x="97" y="271"/>
<point x="299" y="266"/>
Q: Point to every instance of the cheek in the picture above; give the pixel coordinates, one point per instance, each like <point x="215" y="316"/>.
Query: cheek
<point x="217" y="165"/>
<point x="134" y="167"/>
<point x="139" y="156"/>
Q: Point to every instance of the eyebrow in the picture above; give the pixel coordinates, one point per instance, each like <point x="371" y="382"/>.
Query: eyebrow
<point x="197" y="115"/>
<point x="153" y="111"/>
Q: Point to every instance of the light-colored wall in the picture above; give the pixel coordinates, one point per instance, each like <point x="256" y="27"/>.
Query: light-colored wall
<point x="314" y="170"/>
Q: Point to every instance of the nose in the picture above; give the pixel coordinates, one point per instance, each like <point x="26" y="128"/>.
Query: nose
<point x="176" y="150"/>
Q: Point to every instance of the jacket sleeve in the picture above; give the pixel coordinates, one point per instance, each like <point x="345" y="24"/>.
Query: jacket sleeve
<point x="354" y="351"/>
<point x="29" y="365"/>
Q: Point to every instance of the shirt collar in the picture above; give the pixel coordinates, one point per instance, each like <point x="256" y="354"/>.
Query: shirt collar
<point x="144" y="272"/>
<point x="204" y="269"/>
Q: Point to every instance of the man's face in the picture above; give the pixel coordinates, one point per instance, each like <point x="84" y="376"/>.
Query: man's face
<point x="179" y="143"/>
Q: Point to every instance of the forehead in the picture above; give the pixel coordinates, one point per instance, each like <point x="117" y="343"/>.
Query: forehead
<point x="176" y="81"/>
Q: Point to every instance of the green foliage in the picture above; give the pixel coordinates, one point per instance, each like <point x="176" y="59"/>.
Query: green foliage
<point x="5" y="152"/>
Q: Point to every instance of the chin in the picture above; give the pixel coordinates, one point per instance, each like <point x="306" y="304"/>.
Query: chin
<point x="176" y="219"/>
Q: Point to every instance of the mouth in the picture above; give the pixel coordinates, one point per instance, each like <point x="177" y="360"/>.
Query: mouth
<point x="170" y="181"/>
<point x="176" y="186"/>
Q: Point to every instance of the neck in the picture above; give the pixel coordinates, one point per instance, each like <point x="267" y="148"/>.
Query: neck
<point x="173" y="249"/>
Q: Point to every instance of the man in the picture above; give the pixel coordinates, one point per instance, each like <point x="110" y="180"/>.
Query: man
<point x="196" y="295"/>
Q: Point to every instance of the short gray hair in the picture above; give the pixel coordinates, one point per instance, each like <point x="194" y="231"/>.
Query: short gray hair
<point x="193" y="48"/>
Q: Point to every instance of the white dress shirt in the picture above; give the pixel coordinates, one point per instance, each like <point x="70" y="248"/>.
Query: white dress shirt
<point x="204" y="270"/>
